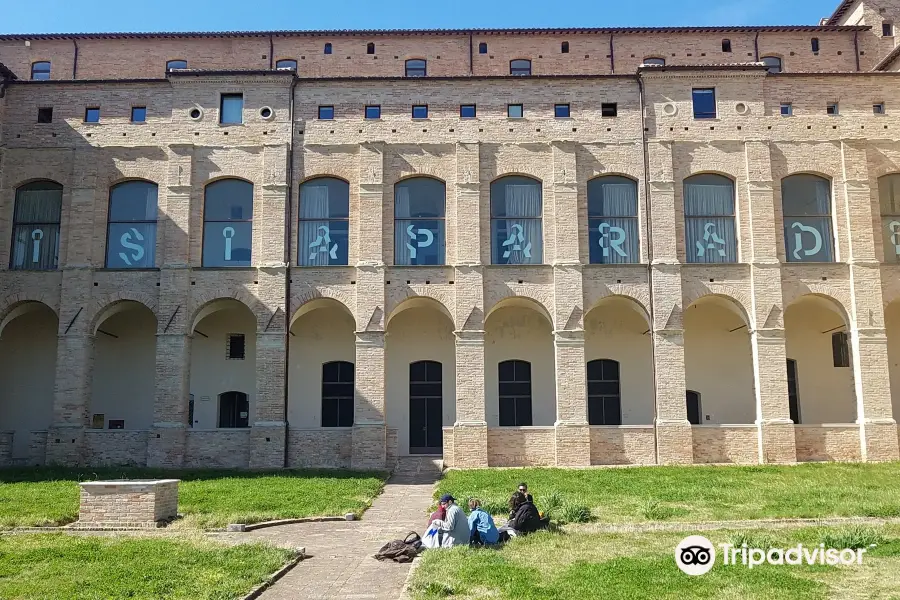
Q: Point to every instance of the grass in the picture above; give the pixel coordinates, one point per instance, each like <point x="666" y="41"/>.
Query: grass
<point x="698" y="493"/>
<point x="207" y="499"/>
<point x="576" y="564"/>
<point x="42" y="566"/>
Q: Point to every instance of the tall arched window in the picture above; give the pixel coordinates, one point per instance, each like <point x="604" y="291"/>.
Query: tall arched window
<point x="415" y="67"/>
<point x="516" y="236"/>
<point x="806" y="205"/>
<point x="889" y="195"/>
<point x="419" y="221"/>
<point x="520" y="66"/>
<point x="514" y="377"/>
<point x="612" y="220"/>
<point x="773" y="63"/>
<point x="709" y="219"/>
<point x="131" y="232"/>
<point x="228" y="223"/>
<point x="337" y="394"/>
<point x="36" y="226"/>
<point x="234" y="410"/>
<point x="324" y="222"/>
<point x="604" y="393"/>
<point x="694" y="407"/>
<point x="327" y="47"/>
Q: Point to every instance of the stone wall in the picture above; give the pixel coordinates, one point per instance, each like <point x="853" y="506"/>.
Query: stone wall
<point x="218" y="449"/>
<point x="116" y="447"/>
<point x="627" y="445"/>
<point x="726" y="444"/>
<point x="320" y="447"/>
<point x="521" y="446"/>
<point x="827" y="443"/>
<point x="127" y="503"/>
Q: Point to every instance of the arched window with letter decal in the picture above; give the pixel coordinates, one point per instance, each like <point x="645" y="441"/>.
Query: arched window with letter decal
<point x="612" y="219"/>
<point x="419" y="221"/>
<point x="516" y="236"/>
<point x="806" y="205"/>
<point x="889" y="195"/>
<point x="709" y="219"/>
<point x="228" y="223"/>
<point x="324" y="222"/>
<point x="131" y="232"/>
<point x="36" y="226"/>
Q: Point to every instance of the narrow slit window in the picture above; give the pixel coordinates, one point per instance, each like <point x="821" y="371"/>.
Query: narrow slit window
<point x="565" y="48"/>
<point x="726" y="45"/>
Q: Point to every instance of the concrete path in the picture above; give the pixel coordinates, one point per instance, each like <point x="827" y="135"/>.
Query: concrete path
<point x="339" y="563"/>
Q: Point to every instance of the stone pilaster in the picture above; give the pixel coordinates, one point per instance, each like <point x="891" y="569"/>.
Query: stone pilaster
<point x="878" y="429"/>
<point x="74" y="368"/>
<point x="369" y="431"/>
<point x="267" y="436"/>
<point x="167" y="440"/>
<point x="470" y="427"/>
<point x="573" y="437"/>
<point x="776" y="430"/>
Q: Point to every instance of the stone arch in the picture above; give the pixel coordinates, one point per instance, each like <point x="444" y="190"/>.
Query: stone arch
<point x="523" y="171"/>
<point x="427" y="299"/>
<point x="205" y="301"/>
<point x="144" y="175"/>
<point x="736" y="297"/>
<point x="18" y="304"/>
<point x="31" y="180"/>
<point x="796" y="291"/>
<point x="526" y="300"/>
<point x="828" y="298"/>
<point x="639" y="304"/>
<point x="106" y="306"/>
<point x="424" y="171"/>
<point x="724" y="174"/>
<point x="326" y="174"/>
<point x="311" y="294"/>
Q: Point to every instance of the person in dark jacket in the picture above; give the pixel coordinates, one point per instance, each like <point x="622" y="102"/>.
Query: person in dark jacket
<point x="523" y="518"/>
<point x="523" y="487"/>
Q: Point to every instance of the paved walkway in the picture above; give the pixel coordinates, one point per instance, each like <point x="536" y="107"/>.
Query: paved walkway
<point x="339" y="563"/>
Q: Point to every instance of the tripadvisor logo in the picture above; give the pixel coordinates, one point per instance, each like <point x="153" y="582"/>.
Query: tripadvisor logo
<point x="696" y="555"/>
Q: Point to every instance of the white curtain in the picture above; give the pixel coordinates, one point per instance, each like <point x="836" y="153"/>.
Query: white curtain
<point x="523" y="201"/>
<point x="619" y="200"/>
<point x="36" y="229"/>
<point x="402" y="253"/>
<point x="709" y="223"/>
<point x="314" y="212"/>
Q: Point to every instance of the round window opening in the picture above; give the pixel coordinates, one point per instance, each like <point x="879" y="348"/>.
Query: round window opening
<point x="196" y="113"/>
<point x="741" y="108"/>
<point x="265" y="112"/>
<point x="669" y="109"/>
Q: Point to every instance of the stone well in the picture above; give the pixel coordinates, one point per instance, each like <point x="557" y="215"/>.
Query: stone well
<point x="128" y="504"/>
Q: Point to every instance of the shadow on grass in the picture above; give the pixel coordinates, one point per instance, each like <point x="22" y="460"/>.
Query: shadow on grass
<point x="42" y="474"/>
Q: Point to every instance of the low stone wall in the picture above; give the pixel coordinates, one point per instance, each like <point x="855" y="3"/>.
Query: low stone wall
<point x="218" y="448"/>
<point x="828" y="443"/>
<point x="115" y="447"/>
<point x="128" y="503"/>
<point x="521" y="446"/>
<point x="624" y="445"/>
<point x="738" y="444"/>
<point x="6" y="442"/>
<point x="320" y="447"/>
<point x="37" y="448"/>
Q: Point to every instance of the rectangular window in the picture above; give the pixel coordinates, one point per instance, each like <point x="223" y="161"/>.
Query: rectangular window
<point x="420" y="111"/>
<point x="831" y="109"/>
<point x="515" y="111"/>
<point x="887" y="29"/>
<point x="787" y="109"/>
<point x="117" y="423"/>
<point x="138" y="114"/>
<point x="45" y="115"/>
<point x="704" y="103"/>
<point x="235" y="346"/>
<point x="231" y="109"/>
<point x="793" y="391"/>
<point x="840" y="349"/>
<point x="878" y="108"/>
<point x="609" y="109"/>
<point x="92" y="115"/>
<point x="561" y="111"/>
<point x="726" y="45"/>
<point x="337" y="394"/>
<point x="373" y="112"/>
<point x="326" y="113"/>
<point x="467" y="111"/>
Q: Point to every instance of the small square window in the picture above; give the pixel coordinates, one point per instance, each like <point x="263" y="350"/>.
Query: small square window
<point x="831" y="109"/>
<point x="234" y="346"/>
<point x="117" y="423"/>
<point x="887" y="29"/>
<point x="326" y="113"/>
<point x="726" y="45"/>
<point x="515" y="111"/>
<point x="373" y="112"/>
<point x="482" y="48"/>
<point x="704" y="103"/>
<point x="231" y="109"/>
<point x="467" y="111"/>
<point x="609" y="109"/>
<point x="561" y="111"/>
<point x="787" y="109"/>
<point x="420" y="111"/>
<point x="878" y="108"/>
<point x="45" y="115"/>
<point x="138" y="114"/>
<point x="564" y="48"/>
<point x="92" y="115"/>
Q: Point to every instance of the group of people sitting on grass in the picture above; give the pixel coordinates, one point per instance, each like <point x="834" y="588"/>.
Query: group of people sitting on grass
<point x="448" y="526"/>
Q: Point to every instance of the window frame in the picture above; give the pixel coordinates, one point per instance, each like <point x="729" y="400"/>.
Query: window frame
<point x="370" y="48"/>
<point x="235" y="352"/>
<point x="887" y="29"/>
<point x="238" y="398"/>
<point x="520" y="70"/>
<point x="482" y="48"/>
<point x="564" y="48"/>
<point x="35" y="71"/>
<point x="44" y="117"/>
<point x="474" y="111"/>
<point x="595" y="219"/>
<point x="606" y="107"/>
<point x="726" y="45"/>
<point x="567" y="109"/>
<point x="328" y="48"/>
<point x="690" y="254"/>
<point x="517" y="398"/>
<point x="890" y="215"/>
<point x="294" y="67"/>
<point x="170" y="68"/>
<point x="419" y="106"/>
<point x="703" y="115"/>
<point x="658" y="61"/>
<point x="600" y="400"/>
<point x="442" y="222"/>
<point x="827" y="218"/>
<point x="415" y="69"/>
<point x="223" y="97"/>
<point x="110" y="222"/>
<point x="376" y="107"/>
<point x="345" y="186"/>
<point x="48" y="186"/>
<point x="203" y="253"/>
<point x="790" y="109"/>
<point x="87" y="113"/>
<point x="509" y="108"/>
<point x="878" y="108"/>
<point x="341" y="399"/>
<point x="833" y="109"/>
<point x="134" y="108"/>
<point x="319" y="112"/>
<point x="814" y="44"/>
<point x="771" y="67"/>
<point x="535" y="248"/>
<point x="840" y="350"/>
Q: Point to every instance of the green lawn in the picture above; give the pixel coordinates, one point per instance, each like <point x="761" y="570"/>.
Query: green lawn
<point x="47" y="566"/>
<point x="694" y="493"/>
<point x="36" y="497"/>
<point x="574" y="565"/>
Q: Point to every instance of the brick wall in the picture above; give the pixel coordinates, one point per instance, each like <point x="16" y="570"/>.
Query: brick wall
<point x="827" y="442"/>
<point x="738" y="445"/>
<point x="107" y="447"/>
<point x="322" y="447"/>
<point x="218" y="449"/>
<point x="521" y="446"/>
<point x="623" y="445"/>
<point x="127" y="503"/>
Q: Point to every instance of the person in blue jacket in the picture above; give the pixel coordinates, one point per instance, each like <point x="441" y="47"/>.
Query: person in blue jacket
<point x="481" y="525"/>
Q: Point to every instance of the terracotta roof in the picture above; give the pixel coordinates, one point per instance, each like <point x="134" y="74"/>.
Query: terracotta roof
<point x="736" y="66"/>
<point x="839" y="11"/>
<point x="887" y="59"/>
<point x="414" y="32"/>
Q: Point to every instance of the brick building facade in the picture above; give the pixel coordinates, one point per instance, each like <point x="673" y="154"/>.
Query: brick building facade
<point x="509" y="247"/>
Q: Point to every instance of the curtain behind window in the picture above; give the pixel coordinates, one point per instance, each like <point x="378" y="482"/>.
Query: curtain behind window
<point x="520" y="200"/>
<point x="709" y="223"/>
<point x="36" y="227"/>
<point x="615" y="205"/>
<point x="889" y="192"/>
<point x="806" y="206"/>
<point x="402" y="252"/>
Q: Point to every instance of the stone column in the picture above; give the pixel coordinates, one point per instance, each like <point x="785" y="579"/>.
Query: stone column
<point x="267" y="436"/>
<point x="470" y="428"/>
<point x="369" y="432"/>
<point x="167" y="444"/>
<point x="573" y="436"/>
<point x="74" y="369"/>
<point x="767" y="339"/>
<point x="878" y="429"/>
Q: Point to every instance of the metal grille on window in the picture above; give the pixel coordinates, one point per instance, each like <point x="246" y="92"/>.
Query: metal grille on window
<point x="516" y="236"/>
<point x="806" y="205"/>
<point x="131" y="232"/>
<point x="613" y="220"/>
<point x="709" y="219"/>
<point x="36" y="221"/>
<point x="419" y="222"/>
<point x="324" y="222"/>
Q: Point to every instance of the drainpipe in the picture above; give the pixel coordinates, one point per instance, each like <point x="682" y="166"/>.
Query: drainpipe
<point x="612" y="55"/>
<point x="756" y="47"/>
<point x="288" y="220"/>
<point x="75" y="60"/>
<point x="856" y="47"/>
<point x="647" y="221"/>
<point x="272" y="66"/>
<point x="471" y="57"/>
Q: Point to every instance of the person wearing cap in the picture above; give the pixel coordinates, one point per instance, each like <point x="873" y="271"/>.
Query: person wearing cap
<point x="455" y="524"/>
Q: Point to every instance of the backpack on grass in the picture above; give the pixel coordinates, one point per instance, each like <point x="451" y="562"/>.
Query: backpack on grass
<point x="401" y="551"/>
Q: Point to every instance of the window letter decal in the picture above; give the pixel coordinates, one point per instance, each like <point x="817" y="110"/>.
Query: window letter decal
<point x="415" y="235"/>
<point x="137" y="248"/>
<point x="516" y="239"/>
<point x="894" y="226"/>
<point x="614" y="243"/>
<point x="320" y="245"/>
<point x="711" y="239"/>
<point x="798" y="240"/>
<point x="37" y="235"/>
<point x="228" y="233"/>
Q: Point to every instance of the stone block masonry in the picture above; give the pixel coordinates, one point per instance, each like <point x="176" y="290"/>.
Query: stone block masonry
<point x="128" y="504"/>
